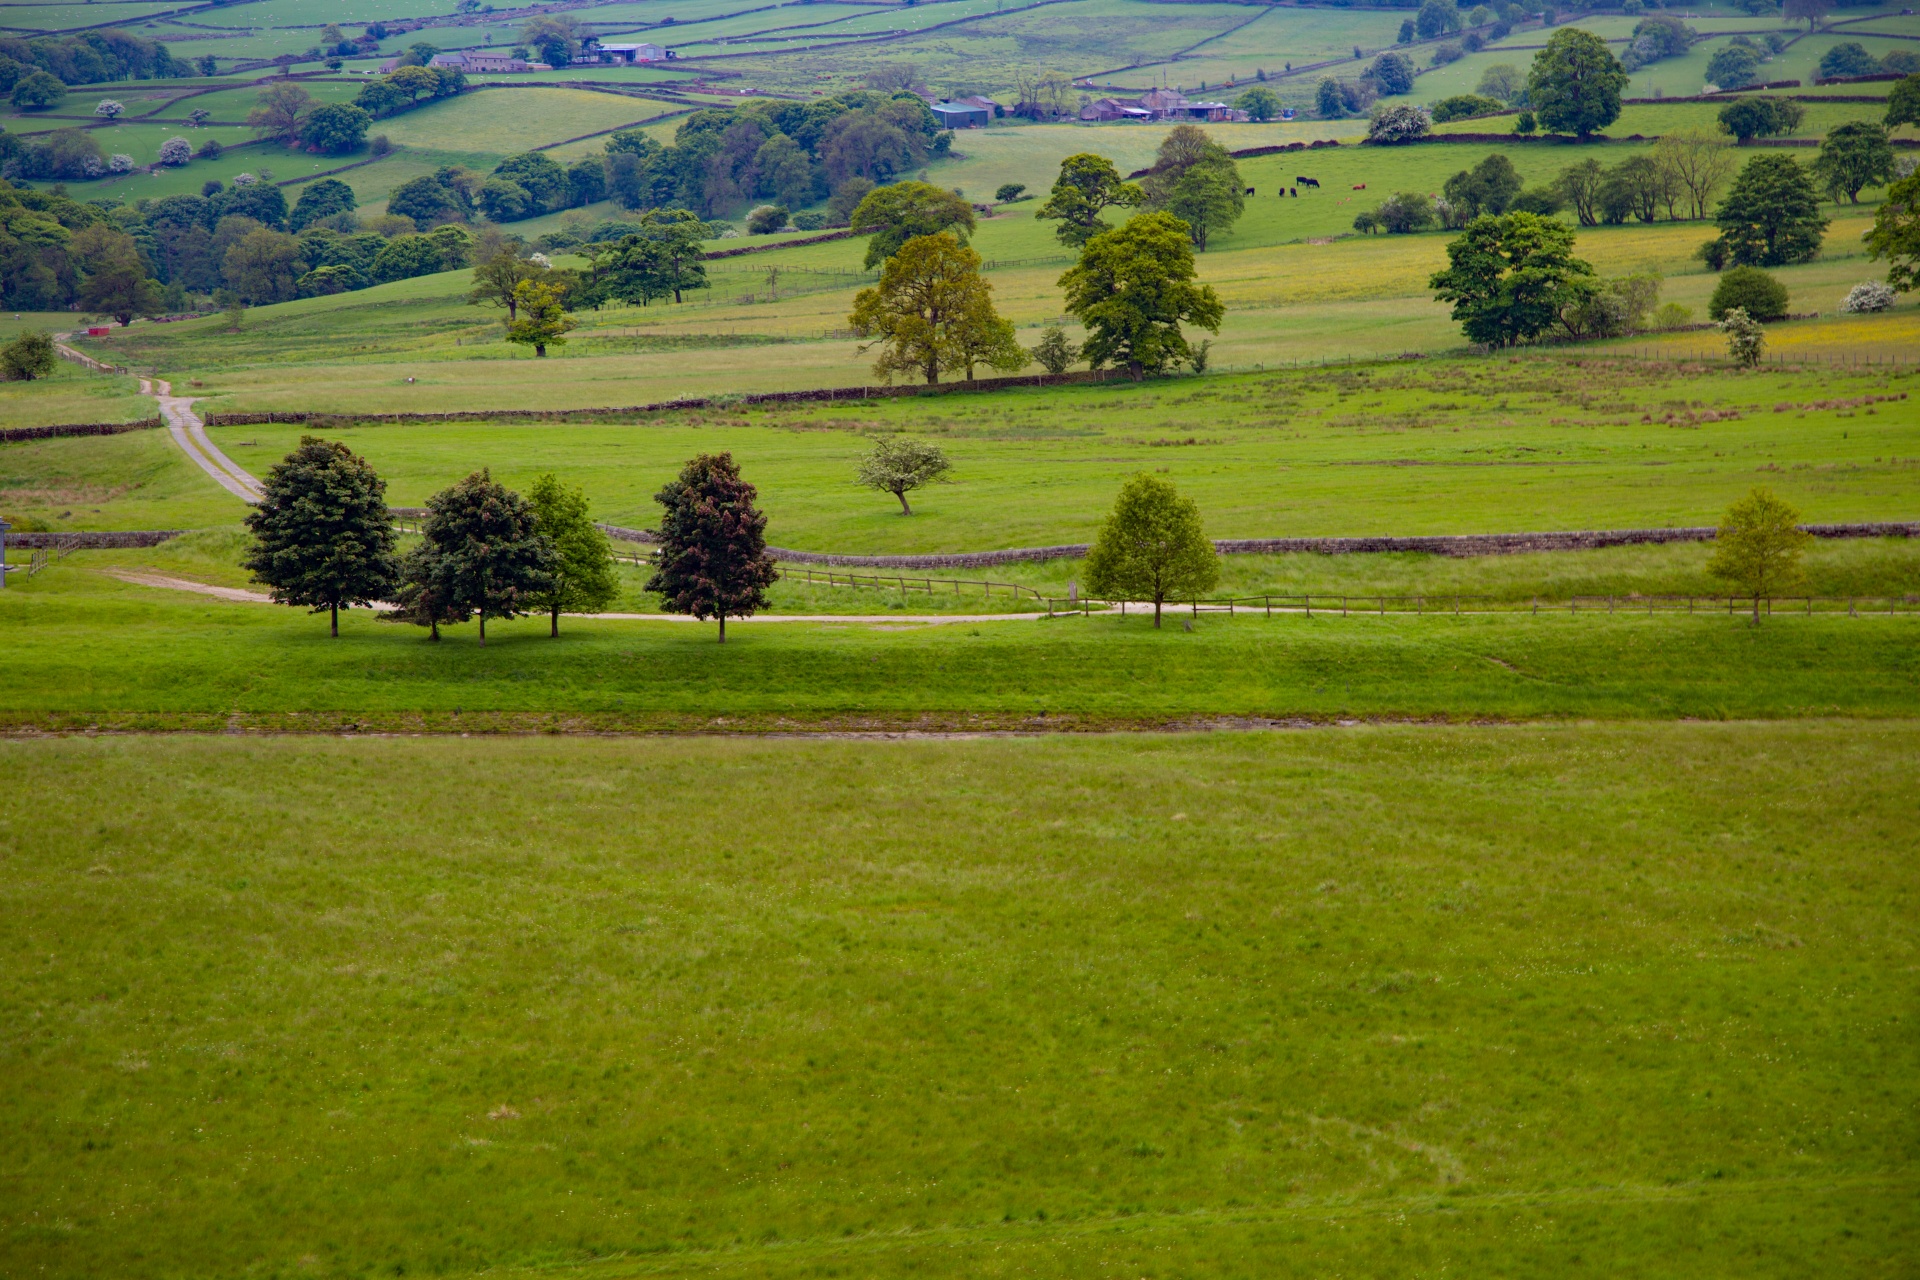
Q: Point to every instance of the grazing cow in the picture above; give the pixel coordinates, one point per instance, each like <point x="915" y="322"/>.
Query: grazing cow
<point x="1249" y="190"/>
<point x="1359" y="186"/>
<point x="1308" y="182"/>
<point x="1294" y="192"/>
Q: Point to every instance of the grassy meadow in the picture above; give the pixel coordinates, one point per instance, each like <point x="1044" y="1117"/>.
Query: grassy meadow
<point x="1493" y="1000"/>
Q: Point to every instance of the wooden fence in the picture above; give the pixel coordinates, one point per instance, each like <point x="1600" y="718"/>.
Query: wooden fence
<point x="1381" y="605"/>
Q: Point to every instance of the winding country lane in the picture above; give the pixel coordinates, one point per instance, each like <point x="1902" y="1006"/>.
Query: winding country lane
<point x="190" y="433"/>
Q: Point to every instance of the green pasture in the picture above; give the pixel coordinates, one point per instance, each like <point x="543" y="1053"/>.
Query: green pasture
<point x="1286" y="302"/>
<point x="504" y="121"/>
<point x="79" y="642"/>
<point x="1552" y="442"/>
<point x="1653" y="119"/>
<point x="1488" y="1000"/>
<point x="48" y="18"/>
<point x="68" y="394"/>
<point x="235" y="103"/>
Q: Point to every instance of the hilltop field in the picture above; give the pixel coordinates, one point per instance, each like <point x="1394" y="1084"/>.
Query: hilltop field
<point x="1391" y="914"/>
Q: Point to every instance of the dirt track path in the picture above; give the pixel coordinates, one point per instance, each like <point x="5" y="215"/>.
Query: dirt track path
<point x="239" y="595"/>
<point x="190" y="433"/>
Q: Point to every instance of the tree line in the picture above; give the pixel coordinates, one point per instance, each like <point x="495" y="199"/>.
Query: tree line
<point x="324" y="540"/>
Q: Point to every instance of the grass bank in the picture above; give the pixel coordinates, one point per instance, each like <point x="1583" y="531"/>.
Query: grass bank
<point x="1474" y="1000"/>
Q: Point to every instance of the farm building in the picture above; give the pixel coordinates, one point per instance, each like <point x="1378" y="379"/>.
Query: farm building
<point x="1115" y="109"/>
<point x="624" y="53"/>
<point x="961" y="115"/>
<point x="1171" y="104"/>
<point x="477" y="61"/>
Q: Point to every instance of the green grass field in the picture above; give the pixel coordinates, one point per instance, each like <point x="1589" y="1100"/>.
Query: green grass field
<point x="910" y="934"/>
<point x="1441" y="447"/>
<point x="1498" y="1001"/>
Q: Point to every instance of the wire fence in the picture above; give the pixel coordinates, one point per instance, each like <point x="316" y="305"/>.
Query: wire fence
<point x="904" y="585"/>
<point x="1344" y="606"/>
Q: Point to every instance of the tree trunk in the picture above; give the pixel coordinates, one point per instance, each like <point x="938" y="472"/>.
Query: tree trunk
<point x="676" y="293"/>
<point x="723" y="628"/>
<point x="336" y="621"/>
<point x="1756" y="611"/>
<point x="433" y="630"/>
<point x="1134" y="368"/>
<point x="513" y="311"/>
<point x="901" y="494"/>
<point x="1156" y="613"/>
<point x="555" y="633"/>
<point x="933" y="373"/>
<point x="540" y="349"/>
<point x="483" y="628"/>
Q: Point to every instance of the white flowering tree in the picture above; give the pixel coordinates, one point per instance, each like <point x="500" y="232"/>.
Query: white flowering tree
<point x="175" y="152"/>
<point x="109" y="109"/>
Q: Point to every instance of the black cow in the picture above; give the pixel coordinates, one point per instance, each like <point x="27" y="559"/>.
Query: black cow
<point x="1249" y="190"/>
<point x="1294" y="192"/>
<point x="1308" y="182"/>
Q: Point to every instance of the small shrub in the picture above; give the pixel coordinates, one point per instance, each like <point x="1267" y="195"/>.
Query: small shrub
<point x="1392" y="126"/>
<point x="379" y="144"/>
<point x="810" y="221"/>
<point x="1873" y="295"/>
<point x="1750" y="291"/>
<point x="767" y="219"/>
<point x="1745" y="338"/>
<point x="1525" y="123"/>
<point x="1672" y="315"/>
<point x="120" y="164"/>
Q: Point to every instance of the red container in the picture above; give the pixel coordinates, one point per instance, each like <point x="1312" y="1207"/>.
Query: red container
<point x="98" y="332"/>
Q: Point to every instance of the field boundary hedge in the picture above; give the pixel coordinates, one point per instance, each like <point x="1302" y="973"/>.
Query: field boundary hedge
<point x="13" y="435"/>
<point x="1456" y="545"/>
<point x="663" y="406"/>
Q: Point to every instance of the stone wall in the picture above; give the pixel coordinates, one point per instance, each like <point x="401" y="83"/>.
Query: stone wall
<point x="93" y="540"/>
<point x="1472" y="544"/>
<point x="664" y="406"/>
<point x="13" y="435"/>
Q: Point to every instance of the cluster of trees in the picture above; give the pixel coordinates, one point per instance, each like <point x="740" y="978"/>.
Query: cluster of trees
<point x="35" y="73"/>
<point x="409" y="86"/>
<point x="1192" y="177"/>
<point x="793" y="153"/>
<point x="159" y="255"/>
<point x="287" y="114"/>
<point x="74" y="155"/>
<point x="1133" y="288"/>
<point x="324" y="540"/>
<point x="1513" y="278"/>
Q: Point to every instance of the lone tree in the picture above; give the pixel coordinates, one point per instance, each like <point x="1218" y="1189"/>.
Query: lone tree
<point x="1511" y="277"/>
<point x="582" y="565"/>
<point x="1055" y="351"/>
<point x="1896" y="233"/>
<point x="28" y="356"/>
<point x="1758" y="548"/>
<point x="543" y="319"/>
<point x="1903" y="103"/>
<point x="1771" y="216"/>
<point x="1575" y="83"/>
<point x="906" y="211"/>
<point x="896" y="464"/>
<point x="713" y="558"/>
<point x="323" y="537"/>
<point x="489" y="558"/>
<point x="931" y="311"/>
<point x="1152" y="548"/>
<point x="1132" y="289"/>
<point x="496" y="279"/>
<point x="1854" y="155"/>
<point x="1087" y="185"/>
